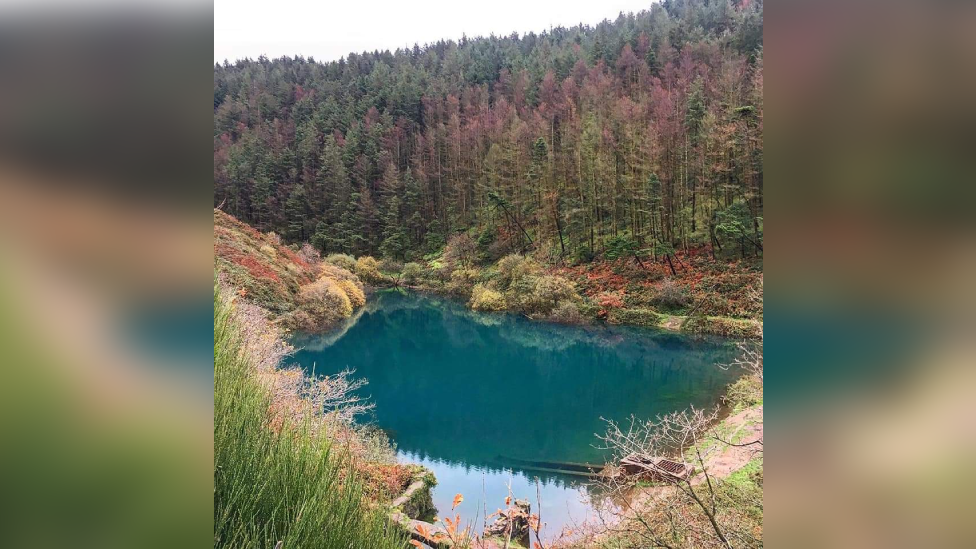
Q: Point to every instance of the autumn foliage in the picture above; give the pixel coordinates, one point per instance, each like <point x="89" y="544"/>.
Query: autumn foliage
<point x="295" y="286"/>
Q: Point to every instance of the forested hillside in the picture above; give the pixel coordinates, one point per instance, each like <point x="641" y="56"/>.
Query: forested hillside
<point x="641" y="135"/>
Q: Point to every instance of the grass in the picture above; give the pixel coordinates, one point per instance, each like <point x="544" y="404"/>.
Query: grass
<point x="745" y="477"/>
<point x="283" y="483"/>
<point x="729" y="327"/>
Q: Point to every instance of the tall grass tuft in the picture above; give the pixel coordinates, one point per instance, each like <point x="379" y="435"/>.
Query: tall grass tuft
<point x="281" y="483"/>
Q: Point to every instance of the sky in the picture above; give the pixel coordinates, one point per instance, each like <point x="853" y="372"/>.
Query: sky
<point x="329" y="29"/>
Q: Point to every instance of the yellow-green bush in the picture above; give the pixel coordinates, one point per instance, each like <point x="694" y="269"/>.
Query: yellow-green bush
<point x="411" y="272"/>
<point x="339" y="273"/>
<point x="355" y="294"/>
<point x="486" y="299"/>
<point x="566" y="312"/>
<point x="514" y="267"/>
<point x="462" y="281"/>
<point x="325" y="301"/>
<point x="539" y="295"/>
<point x="368" y="269"/>
<point x="344" y="261"/>
<point x="555" y="289"/>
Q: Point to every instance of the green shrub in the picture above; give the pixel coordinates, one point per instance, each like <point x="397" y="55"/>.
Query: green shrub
<point x="620" y="246"/>
<point x="584" y="255"/>
<point x="486" y="299"/>
<point x="344" y="261"/>
<point x="587" y="308"/>
<point x="514" y="267"/>
<point x="368" y="269"/>
<point x="744" y="393"/>
<point x="412" y="272"/>
<point x="635" y="316"/>
<point x="462" y="281"/>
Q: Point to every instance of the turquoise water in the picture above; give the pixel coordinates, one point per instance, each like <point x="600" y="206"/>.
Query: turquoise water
<point x="474" y="396"/>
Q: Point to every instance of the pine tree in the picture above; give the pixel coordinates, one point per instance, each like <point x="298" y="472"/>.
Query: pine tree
<point x="296" y="212"/>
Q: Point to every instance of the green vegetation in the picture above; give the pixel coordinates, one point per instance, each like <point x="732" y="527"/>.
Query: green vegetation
<point x="518" y="284"/>
<point x="744" y="393"/>
<point x="368" y="269"/>
<point x="277" y="479"/>
<point x="730" y="327"/>
<point x="343" y="261"/>
<point x="637" y="316"/>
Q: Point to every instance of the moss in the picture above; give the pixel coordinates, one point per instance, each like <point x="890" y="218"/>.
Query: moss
<point x="421" y="506"/>
<point x="744" y="489"/>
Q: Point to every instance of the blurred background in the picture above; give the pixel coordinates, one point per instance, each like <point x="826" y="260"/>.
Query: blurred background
<point x="873" y="257"/>
<point x="106" y="395"/>
<point x="106" y="259"/>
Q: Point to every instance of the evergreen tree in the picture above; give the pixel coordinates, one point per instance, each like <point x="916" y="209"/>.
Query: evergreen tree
<point x="296" y="211"/>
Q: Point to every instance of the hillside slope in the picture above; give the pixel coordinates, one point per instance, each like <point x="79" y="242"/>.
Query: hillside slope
<point x="295" y="287"/>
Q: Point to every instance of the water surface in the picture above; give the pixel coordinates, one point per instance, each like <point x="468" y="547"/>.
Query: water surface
<point x="474" y="396"/>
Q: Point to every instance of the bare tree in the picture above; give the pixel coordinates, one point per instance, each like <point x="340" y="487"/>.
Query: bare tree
<point x="679" y="512"/>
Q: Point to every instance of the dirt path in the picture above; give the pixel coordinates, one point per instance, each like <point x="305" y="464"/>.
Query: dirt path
<point x="745" y="427"/>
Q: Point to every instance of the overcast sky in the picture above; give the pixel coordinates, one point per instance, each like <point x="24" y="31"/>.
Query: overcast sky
<point x="330" y="29"/>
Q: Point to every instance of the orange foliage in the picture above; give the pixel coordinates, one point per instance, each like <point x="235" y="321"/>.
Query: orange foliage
<point x="257" y="268"/>
<point x="383" y="480"/>
<point x="293" y="257"/>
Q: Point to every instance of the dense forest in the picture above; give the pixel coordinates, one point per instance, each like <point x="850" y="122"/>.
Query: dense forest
<point x="642" y="135"/>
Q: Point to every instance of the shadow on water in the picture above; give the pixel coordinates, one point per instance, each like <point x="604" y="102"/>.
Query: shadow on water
<point x="476" y="396"/>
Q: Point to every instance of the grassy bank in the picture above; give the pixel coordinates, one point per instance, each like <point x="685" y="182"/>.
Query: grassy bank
<point x="279" y="475"/>
<point x="702" y="296"/>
